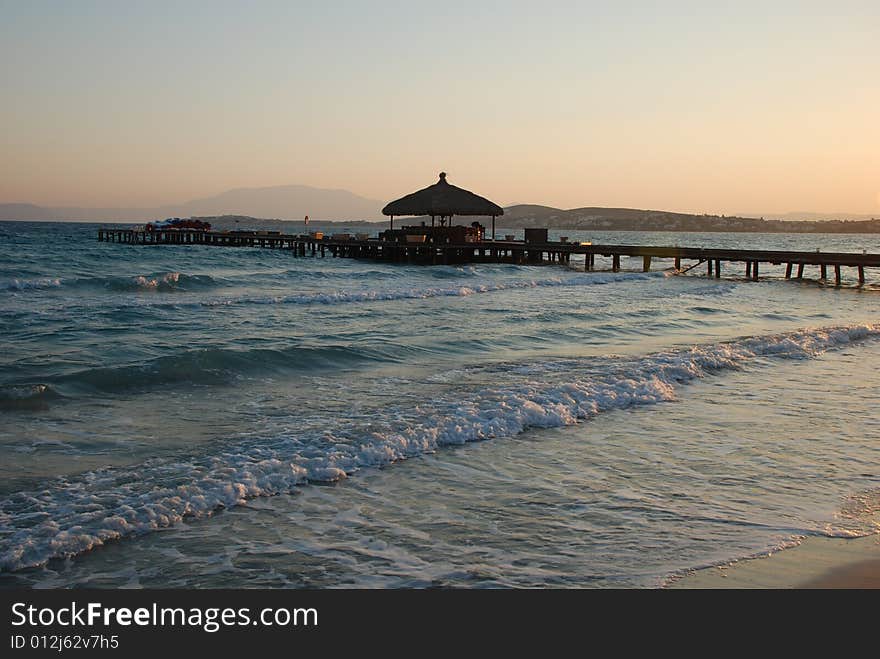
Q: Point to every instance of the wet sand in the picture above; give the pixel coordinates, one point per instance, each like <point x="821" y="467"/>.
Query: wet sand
<point x="815" y="563"/>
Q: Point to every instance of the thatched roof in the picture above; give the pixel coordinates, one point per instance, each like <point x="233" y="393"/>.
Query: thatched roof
<point x="442" y="199"/>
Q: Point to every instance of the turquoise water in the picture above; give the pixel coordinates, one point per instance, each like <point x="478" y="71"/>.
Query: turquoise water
<point x="192" y="416"/>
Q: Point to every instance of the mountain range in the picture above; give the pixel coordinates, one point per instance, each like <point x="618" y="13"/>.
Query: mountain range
<point x="283" y="201"/>
<point x="294" y="202"/>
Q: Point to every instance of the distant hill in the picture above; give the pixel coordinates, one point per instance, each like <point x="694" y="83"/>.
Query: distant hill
<point x="284" y="201"/>
<point x="245" y="222"/>
<point x="294" y="202"/>
<point x="807" y="215"/>
<point x="632" y="219"/>
<point x="594" y="217"/>
<point x="26" y="212"/>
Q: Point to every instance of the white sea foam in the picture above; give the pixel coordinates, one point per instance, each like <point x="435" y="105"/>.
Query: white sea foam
<point x="858" y="512"/>
<point x="70" y="516"/>
<point x="166" y="279"/>
<point x="38" y="283"/>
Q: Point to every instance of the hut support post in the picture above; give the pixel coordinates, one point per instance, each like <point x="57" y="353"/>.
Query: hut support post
<point x="861" y="275"/>
<point x="493" y="228"/>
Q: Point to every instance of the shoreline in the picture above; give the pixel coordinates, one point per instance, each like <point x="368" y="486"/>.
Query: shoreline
<point x="817" y="562"/>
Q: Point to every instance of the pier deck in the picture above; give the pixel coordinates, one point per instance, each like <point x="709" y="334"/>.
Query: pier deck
<point x="500" y="251"/>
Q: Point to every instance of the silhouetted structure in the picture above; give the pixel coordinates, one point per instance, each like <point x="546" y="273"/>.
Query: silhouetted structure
<point x="444" y="201"/>
<point x="446" y="248"/>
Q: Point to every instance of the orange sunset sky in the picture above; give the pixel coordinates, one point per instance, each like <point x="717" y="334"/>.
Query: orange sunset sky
<point x="689" y="106"/>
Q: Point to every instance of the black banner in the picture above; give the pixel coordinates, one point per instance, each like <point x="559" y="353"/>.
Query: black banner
<point x="65" y="621"/>
<point x="37" y="622"/>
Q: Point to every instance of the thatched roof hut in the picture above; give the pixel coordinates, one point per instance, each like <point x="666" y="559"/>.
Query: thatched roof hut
<point x="444" y="201"/>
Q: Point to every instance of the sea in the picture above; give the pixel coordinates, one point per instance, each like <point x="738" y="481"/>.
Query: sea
<point x="201" y="417"/>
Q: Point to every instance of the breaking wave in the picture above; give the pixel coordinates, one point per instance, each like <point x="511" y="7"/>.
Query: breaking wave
<point x="32" y="284"/>
<point x="167" y="281"/>
<point x="161" y="281"/>
<point x="73" y="515"/>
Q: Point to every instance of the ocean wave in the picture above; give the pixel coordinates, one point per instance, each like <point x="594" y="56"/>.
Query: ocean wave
<point x="176" y="281"/>
<point x="306" y="274"/>
<point x="161" y="281"/>
<point x="164" y="281"/>
<point x="460" y="290"/>
<point x="222" y="365"/>
<point x="73" y="515"/>
<point x="392" y="272"/>
<point x="32" y="284"/>
<point x="26" y="396"/>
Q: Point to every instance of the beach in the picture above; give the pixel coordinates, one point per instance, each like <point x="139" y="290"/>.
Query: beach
<point x="816" y="563"/>
<point x="194" y="417"/>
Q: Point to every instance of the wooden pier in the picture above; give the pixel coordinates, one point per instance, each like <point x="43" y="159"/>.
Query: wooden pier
<point x="685" y="259"/>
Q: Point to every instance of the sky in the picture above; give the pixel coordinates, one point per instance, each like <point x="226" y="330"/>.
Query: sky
<point x="716" y="107"/>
